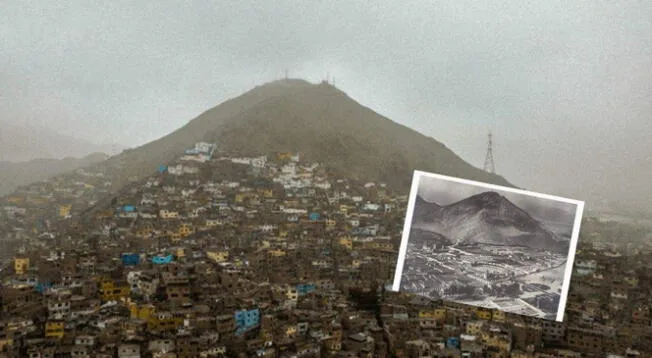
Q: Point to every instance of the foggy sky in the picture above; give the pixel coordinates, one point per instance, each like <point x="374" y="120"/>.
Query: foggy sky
<point x="564" y="85"/>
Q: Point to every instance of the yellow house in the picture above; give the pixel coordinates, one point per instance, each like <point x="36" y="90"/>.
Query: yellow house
<point x="483" y="313"/>
<point x="144" y="312"/>
<point x="347" y="243"/>
<point x="344" y="209"/>
<point x="356" y="263"/>
<point x="21" y="265"/>
<point x="54" y="329"/>
<point x="164" y="321"/>
<point x="15" y="199"/>
<point x="331" y="222"/>
<point x="64" y="210"/>
<point x="277" y="253"/>
<point x="474" y="328"/>
<point x="185" y="230"/>
<point x="498" y="316"/>
<point x="500" y="342"/>
<point x="218" y="256"/>
<point x="181" y="252"/>
<point x="284" y="156"/>
<point x="291" y="330"/>
<point x="266" y="193"/>
<point x="175" y="236"/>
<point x="283" y="233"/>
<point x="110" y="291"/>
<point x="438" y="314"/>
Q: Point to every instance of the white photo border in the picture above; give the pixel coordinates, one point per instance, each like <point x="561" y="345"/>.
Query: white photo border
<point x="573" y="242"/>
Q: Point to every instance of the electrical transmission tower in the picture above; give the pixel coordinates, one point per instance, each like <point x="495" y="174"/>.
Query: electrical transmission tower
<point x="489" y="158"/>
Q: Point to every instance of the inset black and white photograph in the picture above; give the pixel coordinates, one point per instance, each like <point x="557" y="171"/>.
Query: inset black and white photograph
<point x="488" y="246"/>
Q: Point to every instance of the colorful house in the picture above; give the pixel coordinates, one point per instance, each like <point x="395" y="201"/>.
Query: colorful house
<point x="246" y="320"/>
<point x="185" y="230"/>
<point x="304" y="289"/>
<point x="21" y="265"/>
<point x="128" y="209"/>
<point x="130" y="259"/>
<point x="313" y="216"/>
<point x="453" y="342"/>
<point x="64" y="210"/>
<point x="483" y="313"/>
<point x="54" y="329"/>
<point x="144" y="312"/>
<point x="43" y="287"/>
<point x="347" y="243"/>
<point x="218" y="256"/>
<point x="112" y="291"/>
<point x="162" y="260"/>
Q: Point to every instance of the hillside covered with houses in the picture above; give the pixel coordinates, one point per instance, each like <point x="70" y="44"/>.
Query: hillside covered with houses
<point x="271" y="255"/>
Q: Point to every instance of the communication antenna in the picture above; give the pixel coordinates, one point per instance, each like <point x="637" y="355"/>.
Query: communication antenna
<point x="489" y="165"/>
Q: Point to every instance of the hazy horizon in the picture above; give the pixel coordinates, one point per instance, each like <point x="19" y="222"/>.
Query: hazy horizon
<point x="563" y="86"/>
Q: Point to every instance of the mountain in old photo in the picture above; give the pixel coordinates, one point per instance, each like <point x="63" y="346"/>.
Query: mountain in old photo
<point x="485" y="219"/>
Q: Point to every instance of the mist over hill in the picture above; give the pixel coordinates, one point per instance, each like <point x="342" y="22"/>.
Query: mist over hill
<point x="24" y="142"/>
<point x="317" y="120"/>
<point x="16" y="174"/>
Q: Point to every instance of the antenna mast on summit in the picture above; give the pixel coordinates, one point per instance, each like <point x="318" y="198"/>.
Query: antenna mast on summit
<point x="489" y="165"/>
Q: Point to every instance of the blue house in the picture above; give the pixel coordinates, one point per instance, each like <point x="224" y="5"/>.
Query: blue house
<point x="246" y="320"/>
<point x="162" y="260"/>
<point x="130" y="259"/>
<point x="304" y="289"/>
<point x="453" y="342"/>
<point x="162" y="168"/>
<point x="43" y="287"/>
<point x="313" y="216"/>
<point x="128" y="208"/>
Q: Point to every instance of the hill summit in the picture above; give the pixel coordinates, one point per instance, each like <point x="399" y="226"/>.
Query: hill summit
<point x="317" y="120"/>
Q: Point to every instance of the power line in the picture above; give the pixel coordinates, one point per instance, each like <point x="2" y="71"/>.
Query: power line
<point x="489" y="165"/>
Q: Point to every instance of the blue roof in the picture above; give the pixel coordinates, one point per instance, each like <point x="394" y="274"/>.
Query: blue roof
<point x="162" y="260"/>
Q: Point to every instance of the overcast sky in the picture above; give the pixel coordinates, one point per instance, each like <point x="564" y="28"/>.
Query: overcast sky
<point x="564" y="85"/>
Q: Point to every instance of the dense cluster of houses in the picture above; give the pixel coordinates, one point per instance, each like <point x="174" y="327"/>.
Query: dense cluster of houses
<point x="220" y="255"/>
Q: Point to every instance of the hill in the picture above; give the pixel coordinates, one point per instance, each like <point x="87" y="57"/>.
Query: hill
<point x="317" y="120"/>
<point x="14" y="175"/>
<point x="486" y="218"/>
